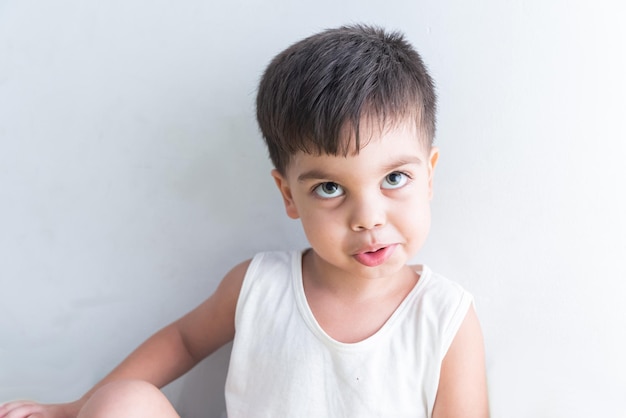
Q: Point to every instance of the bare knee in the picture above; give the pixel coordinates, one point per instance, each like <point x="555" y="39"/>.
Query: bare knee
<point x="127" y="399"/>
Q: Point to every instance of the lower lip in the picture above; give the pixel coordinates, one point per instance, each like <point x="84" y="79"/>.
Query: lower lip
<point x="375" y="258"/>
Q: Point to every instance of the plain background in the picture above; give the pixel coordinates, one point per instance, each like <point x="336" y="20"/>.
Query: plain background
<point x="133" y="176"/>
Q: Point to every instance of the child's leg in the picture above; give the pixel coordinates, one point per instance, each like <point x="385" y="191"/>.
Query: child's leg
<point x="128" y="399"/>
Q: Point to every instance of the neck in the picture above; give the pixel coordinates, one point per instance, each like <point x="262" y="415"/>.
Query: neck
<point x="319" y="276"/>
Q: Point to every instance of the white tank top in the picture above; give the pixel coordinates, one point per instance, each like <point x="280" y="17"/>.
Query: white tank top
<point x="284" y="365"/>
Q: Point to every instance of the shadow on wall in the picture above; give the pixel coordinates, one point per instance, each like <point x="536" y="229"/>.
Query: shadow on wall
<point x="200" y="393"/>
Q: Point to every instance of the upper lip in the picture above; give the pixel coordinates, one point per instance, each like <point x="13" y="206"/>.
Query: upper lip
<point x="371" y="248"/>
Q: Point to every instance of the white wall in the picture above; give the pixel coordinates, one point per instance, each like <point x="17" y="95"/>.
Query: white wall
<point x="132" y="176"/>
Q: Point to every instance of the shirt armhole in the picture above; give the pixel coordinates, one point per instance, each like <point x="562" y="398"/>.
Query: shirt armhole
<point x="245" y="286"/>
<point x="456" y="319"/>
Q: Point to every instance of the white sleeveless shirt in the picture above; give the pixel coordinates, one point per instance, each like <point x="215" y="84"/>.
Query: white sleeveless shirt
<point x="283" y="364"/>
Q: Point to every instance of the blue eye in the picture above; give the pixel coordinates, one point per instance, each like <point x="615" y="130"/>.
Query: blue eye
<point x="394" y="180"/>
<point x="329" y="190"/>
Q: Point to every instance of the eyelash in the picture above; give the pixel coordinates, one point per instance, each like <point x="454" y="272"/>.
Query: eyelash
<point x="316" y="187"/>
<point x="405" y="179"/>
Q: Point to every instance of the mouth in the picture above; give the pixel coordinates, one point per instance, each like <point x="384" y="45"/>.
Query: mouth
<point x="376" y="256"/>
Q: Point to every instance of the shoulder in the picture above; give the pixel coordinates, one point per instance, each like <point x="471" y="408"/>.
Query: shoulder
<point x="269" y="260"/>
<point x="438" y="285"/>
<point x="232" y="281"/>
<point x="259" y="265"/>
<point x="443" y="297"/>
<point x="268" y="276"/>
<point x="439" y="306"/>
<point x="269" y="267"/>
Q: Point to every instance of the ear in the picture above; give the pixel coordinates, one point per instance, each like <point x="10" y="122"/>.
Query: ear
<point x="432" y="163"/>
<point x="285" y="191"/>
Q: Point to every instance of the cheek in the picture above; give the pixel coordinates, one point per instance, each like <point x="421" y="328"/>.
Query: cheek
<point x="416" y="216"/>
<point x="422" y="223"/>
<point x="322" y="226"/>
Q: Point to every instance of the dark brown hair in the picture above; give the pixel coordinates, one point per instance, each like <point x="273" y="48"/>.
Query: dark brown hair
<point x="315" y="94"/>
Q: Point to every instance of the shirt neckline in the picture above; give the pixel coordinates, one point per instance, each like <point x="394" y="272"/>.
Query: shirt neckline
<point x="308" y="317"/>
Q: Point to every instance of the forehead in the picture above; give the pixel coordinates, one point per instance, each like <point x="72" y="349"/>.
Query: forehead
<point x="381" y="149"/>
<point x="373" y="127"/>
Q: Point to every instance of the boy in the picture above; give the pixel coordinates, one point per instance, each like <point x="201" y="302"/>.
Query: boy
<point x="345" y="328"/>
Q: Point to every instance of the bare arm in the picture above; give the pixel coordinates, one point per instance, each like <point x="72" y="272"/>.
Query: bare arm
<point x="167" y="354"/>
<point x="178" y="347"/>
<point x="462" y="389"/>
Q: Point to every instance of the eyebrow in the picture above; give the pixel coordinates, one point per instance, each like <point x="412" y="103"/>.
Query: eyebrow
<point x="313" y="175"/>
<point x="316" y="174"/>
<point x="404" y="160"/>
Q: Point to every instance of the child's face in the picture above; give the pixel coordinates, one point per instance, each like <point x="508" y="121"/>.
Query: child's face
<point x="365" y="214"/>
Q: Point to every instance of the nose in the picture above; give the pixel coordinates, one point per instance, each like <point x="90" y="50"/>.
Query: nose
<point x="367" y="212"/>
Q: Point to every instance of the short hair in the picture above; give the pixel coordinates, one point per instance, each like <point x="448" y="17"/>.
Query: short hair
<point x="319" y="90"/>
